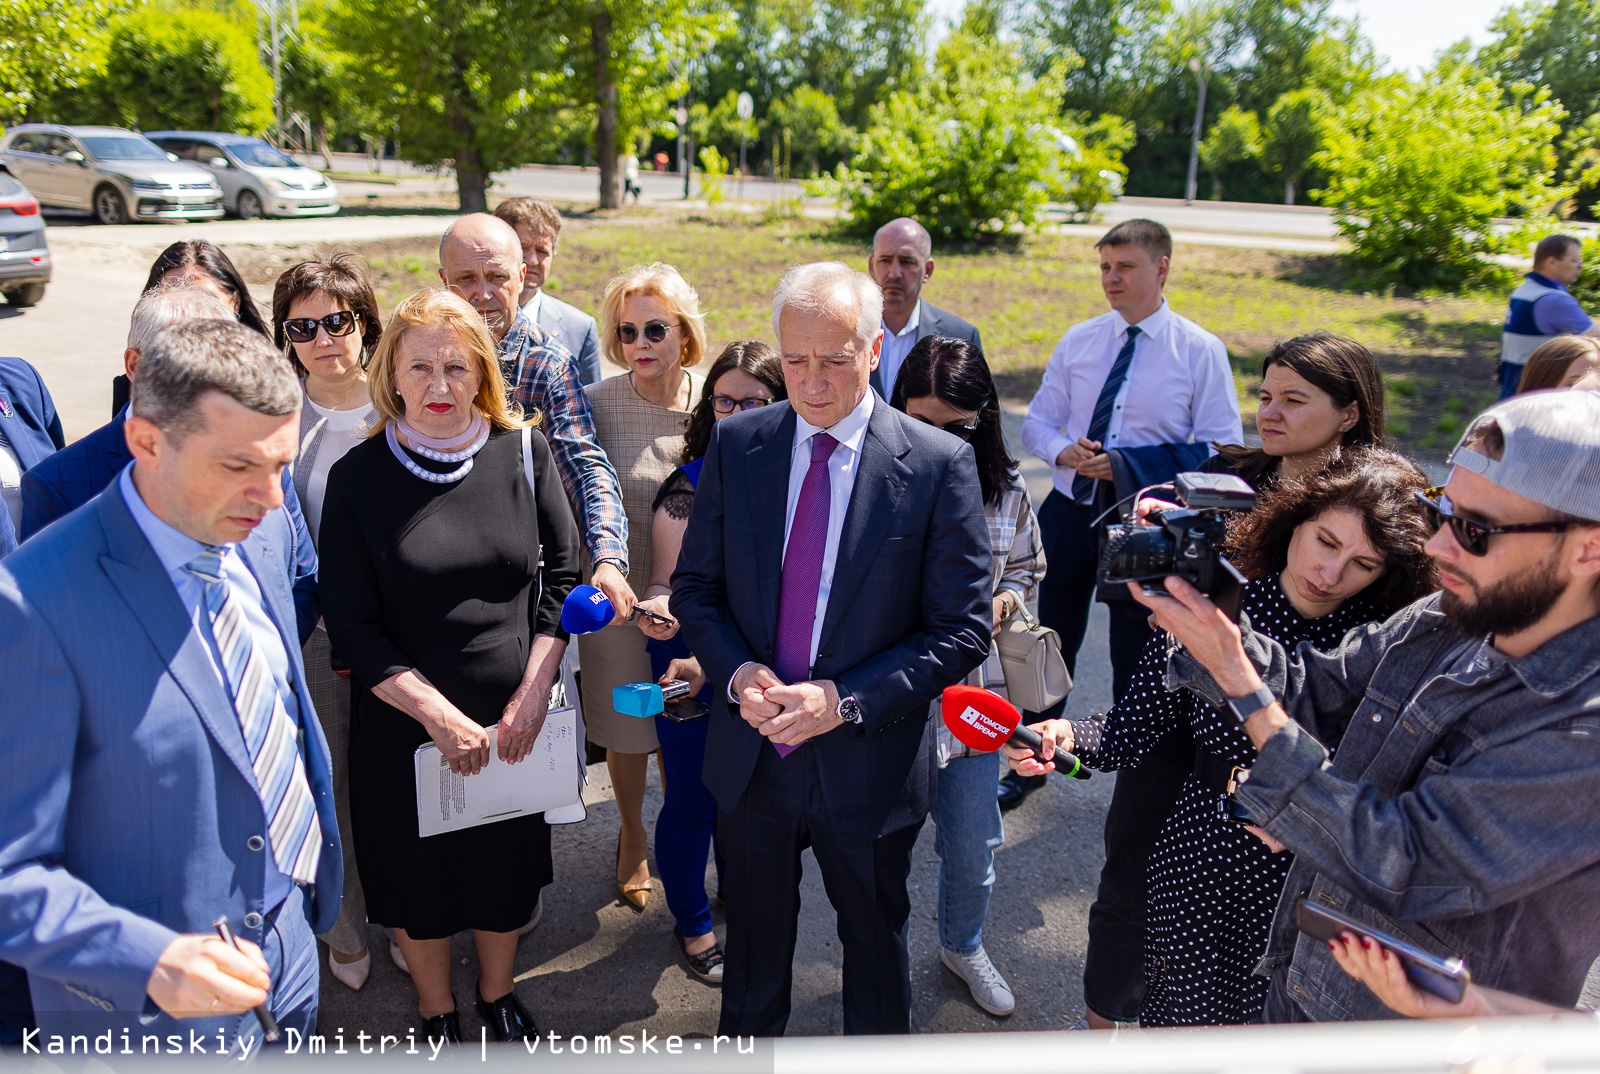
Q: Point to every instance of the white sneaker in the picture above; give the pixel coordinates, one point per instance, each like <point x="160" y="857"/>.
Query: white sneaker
<point x="989" y="989"/>
<point x="351" y="974"/>
<point x="538" y="916"/>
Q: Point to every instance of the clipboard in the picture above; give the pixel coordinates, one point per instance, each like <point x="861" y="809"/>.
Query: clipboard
<point x="550" y="780"/>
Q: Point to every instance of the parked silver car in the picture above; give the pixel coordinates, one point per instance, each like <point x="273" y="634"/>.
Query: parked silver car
<point x="24" y="254"/>
<point x="257" y="179"/>
<point x="116" y="174"/>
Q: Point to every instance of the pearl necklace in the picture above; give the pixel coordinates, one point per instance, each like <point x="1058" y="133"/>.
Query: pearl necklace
<point x="464" y="456"/>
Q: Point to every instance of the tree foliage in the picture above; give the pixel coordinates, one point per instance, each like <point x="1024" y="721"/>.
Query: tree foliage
<point x="805" y="126"/>
<point x="1296" y="126"/>
<point x="197" y="72"/>
<point x="52" y="56"/>
<point x="469" y="83"/>
<point x="967" y="153"/>
<point x="1419" y="168"/>
<point x="1233" y="139"/>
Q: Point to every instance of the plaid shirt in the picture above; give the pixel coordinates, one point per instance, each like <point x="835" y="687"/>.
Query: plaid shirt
<point x="542" y="378"/>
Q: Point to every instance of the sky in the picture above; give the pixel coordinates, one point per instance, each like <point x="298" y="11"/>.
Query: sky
<point x="1406" y="32"/>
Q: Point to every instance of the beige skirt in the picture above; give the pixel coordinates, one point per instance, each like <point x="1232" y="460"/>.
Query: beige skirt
<point x="611" y="657"/>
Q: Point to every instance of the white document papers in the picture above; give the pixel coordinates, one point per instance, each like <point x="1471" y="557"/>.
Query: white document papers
<point x="549" y="780"/>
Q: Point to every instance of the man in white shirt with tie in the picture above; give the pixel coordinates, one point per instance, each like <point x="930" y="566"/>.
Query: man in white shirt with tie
<point x="1138" y="376"/>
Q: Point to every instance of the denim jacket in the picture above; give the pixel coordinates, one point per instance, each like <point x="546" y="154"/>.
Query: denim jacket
<point x="1461" y="810"/>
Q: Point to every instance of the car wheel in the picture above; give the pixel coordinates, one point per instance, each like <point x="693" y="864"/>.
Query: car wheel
<point x="28" y="294"/>
<point x="249" y="205"/>
<point x="109" y="208"/>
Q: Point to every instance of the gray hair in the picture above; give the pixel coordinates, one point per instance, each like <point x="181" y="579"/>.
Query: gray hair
<point x="833" y="290"/>
<point x="172" y="305"/>
<point x="183" y="362"/>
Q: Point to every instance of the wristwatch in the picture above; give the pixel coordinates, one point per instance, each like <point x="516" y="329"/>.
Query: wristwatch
<point x="1247" y="706"/>
<point x="850" y="710"/>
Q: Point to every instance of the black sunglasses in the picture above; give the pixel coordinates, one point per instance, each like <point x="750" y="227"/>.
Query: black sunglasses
<point x="727" y="404"/>
<point x="654" y="331"/>
<point x="955" y="428"/>
<point x="304" y="329"/>
<point x="1472" y="535"/>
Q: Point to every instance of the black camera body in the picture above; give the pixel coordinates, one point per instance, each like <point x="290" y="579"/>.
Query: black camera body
<point x="1185" y="542"/>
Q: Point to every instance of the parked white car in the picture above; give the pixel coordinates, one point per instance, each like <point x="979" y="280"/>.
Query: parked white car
<point x="116" y="174"/>
<point x="257" y="178"/>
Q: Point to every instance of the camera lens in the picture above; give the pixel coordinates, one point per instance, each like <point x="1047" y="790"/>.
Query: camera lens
<point x="1134" y="553"/>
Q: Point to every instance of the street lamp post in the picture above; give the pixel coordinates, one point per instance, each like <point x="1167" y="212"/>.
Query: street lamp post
<point x="683" y="140"/>
<point x="745" y="106"/>
<point x="1201" y="69"/>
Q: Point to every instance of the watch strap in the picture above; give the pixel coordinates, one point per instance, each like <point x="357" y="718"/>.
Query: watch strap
<point x="1247" y="706"/>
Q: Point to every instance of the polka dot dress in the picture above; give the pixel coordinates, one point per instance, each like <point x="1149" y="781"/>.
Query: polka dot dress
<point x="1212" y="885"/>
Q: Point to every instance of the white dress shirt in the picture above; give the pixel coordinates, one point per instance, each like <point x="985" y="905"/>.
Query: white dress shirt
<point x="1179" y="389"/>
<point x="843" y="464"/>
<point x="896" y="345"/>
<point x="11" y="483"/>
<point x="530" y="308"/>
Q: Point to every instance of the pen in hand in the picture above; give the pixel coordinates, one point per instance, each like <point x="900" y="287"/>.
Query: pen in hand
<point x="269" y="1026"/>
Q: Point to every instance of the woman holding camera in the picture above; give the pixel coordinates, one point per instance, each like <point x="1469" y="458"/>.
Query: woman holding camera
<point x="1325" y="551"/>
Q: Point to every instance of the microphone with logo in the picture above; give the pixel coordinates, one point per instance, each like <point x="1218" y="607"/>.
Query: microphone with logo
<point x="985" y="721"/>
<point x="587" y="610"/>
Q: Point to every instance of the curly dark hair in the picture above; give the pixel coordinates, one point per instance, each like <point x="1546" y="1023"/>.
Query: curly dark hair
<point x="1373" y="481"/>
<point x="748" y="356"/>
<point x="208" y="258"/>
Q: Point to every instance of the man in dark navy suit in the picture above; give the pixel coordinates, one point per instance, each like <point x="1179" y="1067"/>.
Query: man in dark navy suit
<point x="901" y="262"/>
<point x="835" y="577"/>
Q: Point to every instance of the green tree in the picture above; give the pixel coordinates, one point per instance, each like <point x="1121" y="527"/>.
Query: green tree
<point x="1095" y="173"/>
<point x="1107" y="36"/>
<point x="1550" y="43"/>
<point x="967" y="153"/>
<point x="1234" y="138"/>
<point x="1293" y="134"/>
<point x="468" y="83"/>
<point x="807" y="121"/>
<point x="199" y="71"/>
<point x="1418" y="169"/>
<point x="52" y="54"/>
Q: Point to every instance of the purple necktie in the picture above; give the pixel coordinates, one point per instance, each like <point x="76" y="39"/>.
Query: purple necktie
<point x="802" y="571"/>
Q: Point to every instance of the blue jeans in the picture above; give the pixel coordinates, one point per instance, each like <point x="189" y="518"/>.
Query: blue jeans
<point x="969" y="831"/>
<point x="687" y="823"/>
<point x="1510" y="375"/>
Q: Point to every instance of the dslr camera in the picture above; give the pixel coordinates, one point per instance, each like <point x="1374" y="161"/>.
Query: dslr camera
<point x="1186" y="542"/>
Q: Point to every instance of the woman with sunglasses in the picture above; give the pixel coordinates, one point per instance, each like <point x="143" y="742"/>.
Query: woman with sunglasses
<point x="651" y="325"/>
<point x="325" y="319"/>
<point x="1325" y="552"/>
<point x="746" y="375"/>
<point x="946" y="383"/>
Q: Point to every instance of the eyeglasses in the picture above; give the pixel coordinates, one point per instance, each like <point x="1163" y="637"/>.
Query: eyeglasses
<point x="1472" y="535"/>
<point x="961" y="429"/>
<point x="654" y="331"/>
<point x="304" y="329"/>
<point x="727" y="404"/>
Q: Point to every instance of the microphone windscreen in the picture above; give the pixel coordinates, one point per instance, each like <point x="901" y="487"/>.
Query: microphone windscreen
<point x="641" y="700"/>
<point x="979" y="718"/>
<point x="586" y="610"/>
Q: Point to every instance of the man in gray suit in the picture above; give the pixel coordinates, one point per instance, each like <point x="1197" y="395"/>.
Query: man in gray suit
<point x="538" y="228"/>
<point x="901" y="262"/>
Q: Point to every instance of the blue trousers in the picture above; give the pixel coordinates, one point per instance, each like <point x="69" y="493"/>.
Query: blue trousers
<point x="687" y="824"/>
<point x="1510" y="376"/>
<point x="969" y="831"/>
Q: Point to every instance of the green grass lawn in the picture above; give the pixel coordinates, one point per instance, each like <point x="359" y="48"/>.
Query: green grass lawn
<point x="1438" y="354"/>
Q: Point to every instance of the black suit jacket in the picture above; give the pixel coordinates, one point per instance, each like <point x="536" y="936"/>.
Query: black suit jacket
<point x="934" y="322"/>
<point x="909" y="612"/>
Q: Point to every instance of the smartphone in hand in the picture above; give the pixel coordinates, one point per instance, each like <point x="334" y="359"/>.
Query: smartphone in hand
<point x="1446" y="978"/>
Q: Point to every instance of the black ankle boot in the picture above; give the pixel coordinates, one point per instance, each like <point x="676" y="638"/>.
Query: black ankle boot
<point x="507" y="1018"/>
<point x="445" y="1027"/>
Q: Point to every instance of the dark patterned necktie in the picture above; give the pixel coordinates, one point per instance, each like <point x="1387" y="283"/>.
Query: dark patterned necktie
<point x="1083" y="487"/>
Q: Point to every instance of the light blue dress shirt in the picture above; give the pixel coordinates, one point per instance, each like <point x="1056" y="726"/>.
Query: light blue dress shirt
<point x="176" y="550"/>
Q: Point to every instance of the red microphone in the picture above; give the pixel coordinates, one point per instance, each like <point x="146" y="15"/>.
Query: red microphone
<point x="985" y="721"/>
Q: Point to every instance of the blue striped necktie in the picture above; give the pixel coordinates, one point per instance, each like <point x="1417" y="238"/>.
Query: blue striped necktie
<point x="1100" y="422"/>
<point x="270" y="735"/>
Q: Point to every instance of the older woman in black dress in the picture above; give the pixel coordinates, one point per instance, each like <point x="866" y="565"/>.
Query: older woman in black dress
<point x="1326" y="551"/>
<point x="437" y="600"/>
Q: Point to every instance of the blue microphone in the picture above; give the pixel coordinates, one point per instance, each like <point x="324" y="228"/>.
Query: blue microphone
<point x="642" y="700"/>
<point x="586" y="610"/>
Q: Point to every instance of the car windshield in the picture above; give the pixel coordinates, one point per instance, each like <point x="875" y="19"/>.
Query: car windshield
<point x="260" y="155"/>
<point x="118" y="148"/>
